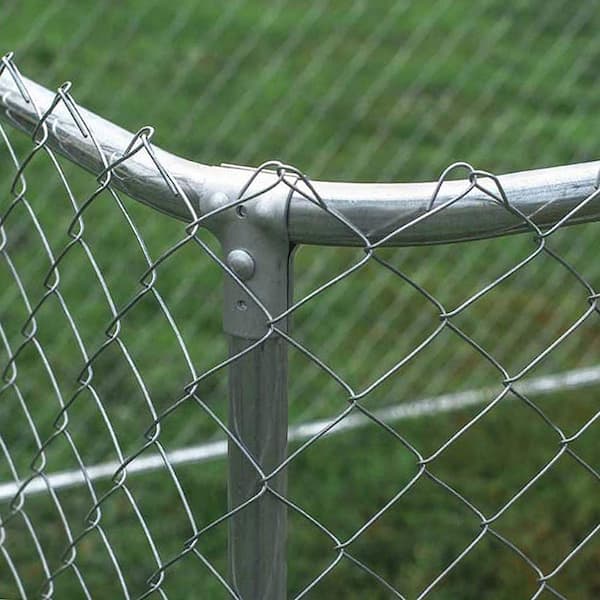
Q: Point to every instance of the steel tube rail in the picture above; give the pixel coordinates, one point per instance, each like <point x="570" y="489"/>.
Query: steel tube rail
<point x="376" y="209"/>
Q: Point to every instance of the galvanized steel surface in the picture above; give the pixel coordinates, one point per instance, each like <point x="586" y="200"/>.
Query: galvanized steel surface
<point x="389" y="214"/>
<point x="277" y="206"/>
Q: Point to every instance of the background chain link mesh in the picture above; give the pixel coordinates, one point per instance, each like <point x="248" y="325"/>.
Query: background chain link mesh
<point x="500" y="491"/>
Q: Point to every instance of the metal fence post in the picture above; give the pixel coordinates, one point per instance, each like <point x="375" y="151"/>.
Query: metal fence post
<point x="258" y="407"/>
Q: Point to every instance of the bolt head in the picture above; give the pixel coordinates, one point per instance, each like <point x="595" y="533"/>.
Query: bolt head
<point x="241" y="263"/>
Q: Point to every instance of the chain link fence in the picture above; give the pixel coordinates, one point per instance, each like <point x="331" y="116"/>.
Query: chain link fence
<point x="390" y="92"/>
<point x="498" y="494"/>
<point x="135" y="414"/>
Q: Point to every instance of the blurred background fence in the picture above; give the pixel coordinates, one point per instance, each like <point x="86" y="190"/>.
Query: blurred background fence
<point x="352" y="90"/>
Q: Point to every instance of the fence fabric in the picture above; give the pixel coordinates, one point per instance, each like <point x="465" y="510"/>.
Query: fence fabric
<point x="390" y="92"/>
<point x="98" y="372"/>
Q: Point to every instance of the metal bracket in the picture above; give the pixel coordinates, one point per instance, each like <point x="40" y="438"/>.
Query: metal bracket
<point x="260" y="256"/>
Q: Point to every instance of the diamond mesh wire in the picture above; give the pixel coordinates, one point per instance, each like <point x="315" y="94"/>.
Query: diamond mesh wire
<point x="100" y="398"/>
<point x="390" y="91"/>
<point x="58" y="397"/>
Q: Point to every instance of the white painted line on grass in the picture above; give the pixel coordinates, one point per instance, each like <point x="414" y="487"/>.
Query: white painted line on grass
<point x="407" y="410"/>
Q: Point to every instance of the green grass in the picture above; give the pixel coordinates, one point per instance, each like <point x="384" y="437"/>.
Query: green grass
<point x="345" y="90"/>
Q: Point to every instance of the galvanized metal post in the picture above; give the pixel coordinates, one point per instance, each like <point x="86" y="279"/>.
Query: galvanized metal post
<point x="258" y="416"/>
<point x="258" y="407"/>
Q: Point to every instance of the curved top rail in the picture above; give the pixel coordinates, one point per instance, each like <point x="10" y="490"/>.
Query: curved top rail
<point x="396" y="214"/>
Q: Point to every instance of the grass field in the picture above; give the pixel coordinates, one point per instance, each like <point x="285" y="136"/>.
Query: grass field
<point x="354" y="90"/>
